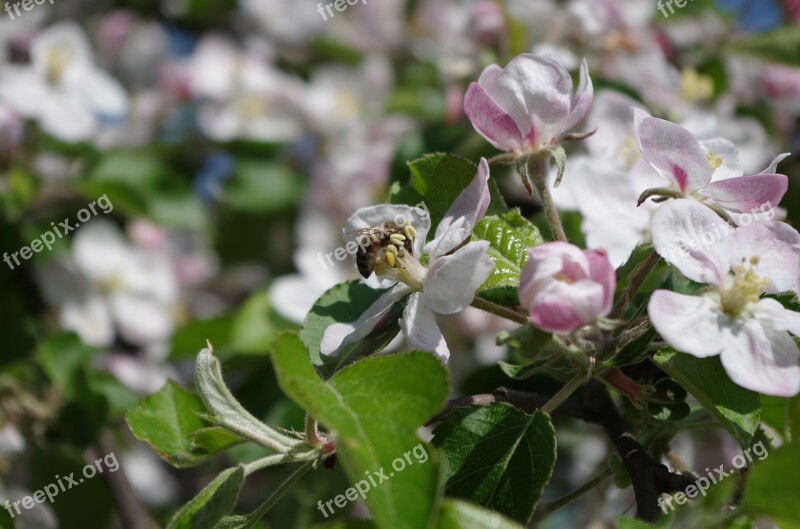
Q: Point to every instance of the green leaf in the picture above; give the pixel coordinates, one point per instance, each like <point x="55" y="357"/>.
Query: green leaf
<point x="462" y="515"/>
<point x="345" y="303"/>
<point x="440" y="178"/>
<point x="212" y="440"/>
<point x="772" y="485"/>
<point x="212" y="503"/>
<point x="497" y="456"/>
<point x="509" y="235"/>
<point x="260" y="187"/>
<point x="169" y="421"/>
<point x="736" y="408"/>
<point x="375" y="407"/>
<point x="62" y="357"/>
<point x="781" y="45"/>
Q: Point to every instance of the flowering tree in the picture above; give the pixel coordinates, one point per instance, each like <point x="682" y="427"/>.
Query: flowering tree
<point x="393" y="265"/>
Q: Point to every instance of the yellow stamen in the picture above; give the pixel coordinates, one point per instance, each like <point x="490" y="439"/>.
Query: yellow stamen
<point x="411" y="233"/>
<point x="714" y="161"/>
<point x="397" y="238"/>
<point x="391" y="261"/>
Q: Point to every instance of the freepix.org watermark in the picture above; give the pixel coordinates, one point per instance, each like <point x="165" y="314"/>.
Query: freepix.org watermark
<point x="373" y="480"/>
<point x="27" y="5"/>
<point x="373" y="236"/>
<point x="663" y="6"/>
<point x="703" y="483"/>
<point x="764" y="212"/>
<point x="62" y="484"/>
<point x="339" y="5"/>
<point x="48" y="238"/>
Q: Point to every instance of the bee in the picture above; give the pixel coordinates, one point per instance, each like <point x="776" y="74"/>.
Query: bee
<point x="372" y="242"/>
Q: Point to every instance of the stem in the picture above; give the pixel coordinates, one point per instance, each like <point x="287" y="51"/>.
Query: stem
<point x="256" y="515"/>
<point x="132" y="514"/>
<point x="549" y="508"/>
<point x="277" y="459"/>
<point x="541" y="180"/>
<point x="312" y="431"/>
<point x="564" y="393"/>
<point x="499" y="310"/>
<point x="637" y="279"/>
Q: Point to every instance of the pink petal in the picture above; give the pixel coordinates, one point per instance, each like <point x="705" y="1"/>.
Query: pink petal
<point x="690" y="324"/>
<point x="747" y="194"/>
<point x="674" y="152"/>
<point x="582" y="101"/>
<point x="602" y="271"/>
<point x="536" y="92"/>
<point x="774" y="315"/>
<point x="491" y="121"/>
<point x="547" y="260"/>
<point x="563" y="307"/>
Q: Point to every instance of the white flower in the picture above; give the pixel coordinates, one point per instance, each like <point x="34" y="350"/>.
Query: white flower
<point x="110" y="287"/>
<point x="446" y="285"/>
<point x="752" y="334"/>
<point x="243" y="97"/>
<point x="63" y="88"/>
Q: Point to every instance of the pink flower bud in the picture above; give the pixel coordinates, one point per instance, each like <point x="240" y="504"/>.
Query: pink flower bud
<point x="565" y="288"/>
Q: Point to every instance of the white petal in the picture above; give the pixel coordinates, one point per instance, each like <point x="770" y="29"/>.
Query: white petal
<point x="421" y="330"/>
<point x="452" y="280"/>
<point x="775" y="246"/>
<point x="468" y="208"/>
<point x="100" y="249"/>
<point x="772" y="314"/>
<point x="690" y="324"/>
<point x="340" y="334"/>
<point x="142" y="320"/>
<point x="90" y="318"/>
<point x="694" y="239"/>
<point x="773" y="167"/>
<point x="762" y="359"/>
<point x="725" y="149"/>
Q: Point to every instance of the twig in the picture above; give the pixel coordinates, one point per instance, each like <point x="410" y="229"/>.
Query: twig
<point x="132" y="514"/>
<point x="637" y="279"/>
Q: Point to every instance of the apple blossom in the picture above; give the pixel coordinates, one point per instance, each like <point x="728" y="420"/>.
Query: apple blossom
<point x="62" y="88"/>
<point x="730" y="318"/>
<point x="565" y="288"/>
<point x="445" y="285"/>
<point x="109" y="286"/>
<point x="707" y="171"/>
<point x="528" y="106"/>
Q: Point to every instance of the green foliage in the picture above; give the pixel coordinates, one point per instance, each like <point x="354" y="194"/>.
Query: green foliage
<point x="212" y="503"/>
<point x="170" y="422"/>
<point x="509" y="235"/>
<point x="737" y="409"/>
<point x="497" y="456"/>
<point x="375" y="407"/>
<point x="345" y="303"/>
<point x="781" y="46"/>
<point x="772" y="486"/>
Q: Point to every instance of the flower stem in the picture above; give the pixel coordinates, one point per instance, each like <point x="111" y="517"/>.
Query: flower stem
<point x="539" y="173"/>
<point x="564" y="393"/>
<point x="499" y="310"/>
